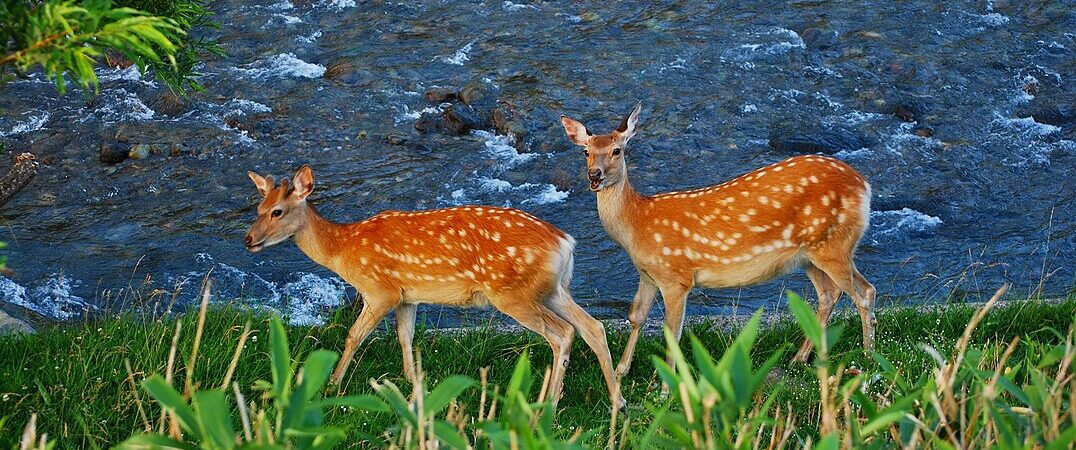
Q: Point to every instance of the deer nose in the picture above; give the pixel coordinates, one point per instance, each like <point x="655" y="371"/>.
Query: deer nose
<point x="248" y="241"/>
<point x="594" y="174"/>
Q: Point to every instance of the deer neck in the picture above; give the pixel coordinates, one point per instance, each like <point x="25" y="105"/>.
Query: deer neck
<point x="318" y="238"/>
<point x="618" y="208"/>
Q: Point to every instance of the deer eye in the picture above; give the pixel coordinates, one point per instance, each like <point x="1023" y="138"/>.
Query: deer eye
<point x="278" y="212"/>
<point x="586" y="152"/>
<point x="616" y="151"/>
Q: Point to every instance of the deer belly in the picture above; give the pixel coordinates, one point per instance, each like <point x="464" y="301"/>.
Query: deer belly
<point x="456" y="293"/>
<point x="752" y="271"/>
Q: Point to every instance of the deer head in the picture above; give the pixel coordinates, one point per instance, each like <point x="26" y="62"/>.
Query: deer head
<point x="604" y="152"/>
<point x="282" y="212"/>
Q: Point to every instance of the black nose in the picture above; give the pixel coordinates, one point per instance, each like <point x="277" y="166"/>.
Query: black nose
<point x="594" y="174"/>
<point x="248" y="240"/>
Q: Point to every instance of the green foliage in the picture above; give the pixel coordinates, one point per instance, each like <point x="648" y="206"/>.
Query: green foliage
<point x="66" y="39"/>
<point x="717" y="403"/>
<point x="75" y="379"/>
<point x="522" y="423"/>
<point x="188" y="15"/>
<point x="972" y="396"/>
<point x="295" y="420"/>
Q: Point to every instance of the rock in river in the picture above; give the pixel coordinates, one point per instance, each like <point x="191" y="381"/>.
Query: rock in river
<point x="799" y="140"/>
<point x="113" y="152"/>
<point x="460" y="119"/>
<point x="440" y="95"/>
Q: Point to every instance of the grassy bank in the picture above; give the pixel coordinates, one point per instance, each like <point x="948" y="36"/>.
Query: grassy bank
<point x="76" y="379"/>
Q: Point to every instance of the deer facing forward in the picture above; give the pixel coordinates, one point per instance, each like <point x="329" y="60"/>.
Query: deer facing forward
<point x="464" y="256"/>
<point x="806" y="211"/>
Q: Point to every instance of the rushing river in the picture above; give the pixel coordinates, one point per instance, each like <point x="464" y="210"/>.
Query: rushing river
<point x="961" y="114"/>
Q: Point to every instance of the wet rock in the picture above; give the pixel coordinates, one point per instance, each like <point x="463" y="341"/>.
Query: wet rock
<point x="338" y="69"/>
<point x="395" y="139"/>
<point x="139" y="151"/>
<point x="908" y="109"/>
<point x="1059" y="111"/>
<point x="116" y="60"/>
<point x="923" y="131"/>
<point x="801" y="140"/>
<point x="853" y="52"/>
<point x="507" y="122"/>
<point x="175" y="149"/>
<point x="429" y="122"/>
<point x="819" y="38"/>
<point x="264" y="126"/>
<point x="11" y="325"/>
<point x="479" y="94"/>
<point x="441" y="95"/>
<point x="170" y="104"/>
<point x="51" y="144"/>
<point x="460" y="119"/>
<point x="113" y="152"/>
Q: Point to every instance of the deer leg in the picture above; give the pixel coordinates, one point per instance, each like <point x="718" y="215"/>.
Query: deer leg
<point x="674" y="294"/>
<point x="866" y="308"/>
<point x="374" y="308"/>
<point x="640" y="309"/>
<point x="540" y="319"/>
<point x="828" y="295"/>
<point x="593" y="333"/>
<point x="844" y="275"/>
<point x="405" y="332"/>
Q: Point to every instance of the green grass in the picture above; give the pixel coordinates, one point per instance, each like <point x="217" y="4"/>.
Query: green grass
<point x="75" y="379"/>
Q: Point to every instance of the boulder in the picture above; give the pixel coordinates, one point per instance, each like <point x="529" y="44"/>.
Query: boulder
<point x="429" y="122"/>
<point x="480" y="95"/>
<point x="11" y="325"/>
<point x="908" y="109"/>
<point x="441" y="95"/>
<point x="460" y="119"/>
<point x="113" y="152"/>
<point x="801" y="140"/>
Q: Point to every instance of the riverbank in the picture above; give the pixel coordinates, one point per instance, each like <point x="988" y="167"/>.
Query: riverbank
<point x="76" y="379"/>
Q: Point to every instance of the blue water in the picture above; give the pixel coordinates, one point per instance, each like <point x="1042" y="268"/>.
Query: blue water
<point x="987" y="197"/>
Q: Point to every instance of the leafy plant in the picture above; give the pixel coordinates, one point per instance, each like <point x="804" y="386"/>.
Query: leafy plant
<point x="66" y="39"/>
<point x="720" y="404"/>
<point x="295" y="420"/>
<point x="522" y="423"/>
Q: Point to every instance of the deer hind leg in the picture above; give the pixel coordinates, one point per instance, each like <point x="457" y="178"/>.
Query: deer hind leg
<point x="593" y="333"/>
<point x="374" y="308"/>
<point x="405" y="332"/>
<point x="866" y="313"/>
<point x="540" y="319"/>
<point x="843" y="272"/>
<point x="640" y="309"/>
<point x="828" y="295"/>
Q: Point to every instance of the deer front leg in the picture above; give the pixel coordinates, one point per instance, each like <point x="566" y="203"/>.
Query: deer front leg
<point x="674" y="294"/>
<point x="374" y="308"/>
<point x="640" y="309"/>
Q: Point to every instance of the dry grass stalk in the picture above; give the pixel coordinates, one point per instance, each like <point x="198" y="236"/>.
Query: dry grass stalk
<point x="241" y="405"/>
<point x="138" y="399"/>
<point x="235" y="358"/>
<point x="188" y="383"/>
<point x="169" y="370"/>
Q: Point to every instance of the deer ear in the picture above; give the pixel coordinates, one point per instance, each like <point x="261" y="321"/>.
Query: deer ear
<point x="630" y="124"/>
<point x="264" y="185"/>
<point x="303" y="182"/>
<point x="577" y="133"/>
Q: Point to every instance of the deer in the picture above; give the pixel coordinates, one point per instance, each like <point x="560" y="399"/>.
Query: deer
<point x="806" y="211"/>
<point x="462" y="256"/>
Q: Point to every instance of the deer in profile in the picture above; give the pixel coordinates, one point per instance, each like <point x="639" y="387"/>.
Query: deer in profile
<point x="464" y="256"/>
<point x="806" y="211"/>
